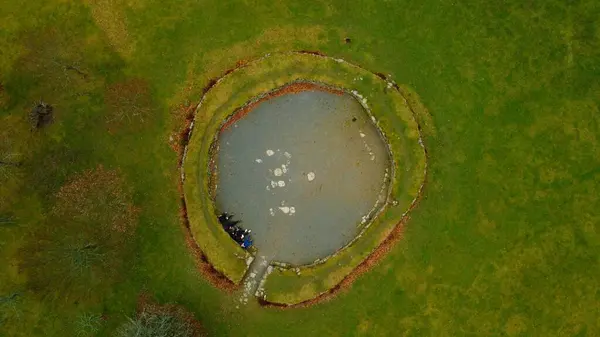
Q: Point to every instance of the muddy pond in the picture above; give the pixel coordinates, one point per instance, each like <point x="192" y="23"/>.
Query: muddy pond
<point x="303" y="171"/>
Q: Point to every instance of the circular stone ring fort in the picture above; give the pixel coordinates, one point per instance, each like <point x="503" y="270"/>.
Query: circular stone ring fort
<point x="298" y="170"/>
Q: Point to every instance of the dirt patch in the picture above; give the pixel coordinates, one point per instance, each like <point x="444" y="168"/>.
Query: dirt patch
<point x="128" y="103"/>
<point x="382" y="76"/>
<point x="311" y="52"/>
<point x="147" y="304"/>
<point x="183" y="115"/>
<point x="110" y="18"/>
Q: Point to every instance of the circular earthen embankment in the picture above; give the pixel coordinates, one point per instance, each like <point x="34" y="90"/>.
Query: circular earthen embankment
<point x="233" y="96"/>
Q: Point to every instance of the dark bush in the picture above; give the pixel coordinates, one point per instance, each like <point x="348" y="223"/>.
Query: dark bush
<point x="41" y="115"/>
<point x="156" y="324"/>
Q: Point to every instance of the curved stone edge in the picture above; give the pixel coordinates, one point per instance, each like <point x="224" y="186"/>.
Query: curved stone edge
<point x="228" y="261"/>
<point x="187" y="134"/>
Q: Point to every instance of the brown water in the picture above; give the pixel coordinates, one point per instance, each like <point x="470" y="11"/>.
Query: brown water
<point x="301" y="171"/>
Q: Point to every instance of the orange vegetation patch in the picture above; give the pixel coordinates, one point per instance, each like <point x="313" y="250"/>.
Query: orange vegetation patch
<point x="292" y="88"/>
<point x="147" y="304"/>
<point x="98" y="196"/>
<point x="184" y="116"/>
<point x="216" y="278"/>
<point x="3" y="97"/>
<point x="128" y="103"/>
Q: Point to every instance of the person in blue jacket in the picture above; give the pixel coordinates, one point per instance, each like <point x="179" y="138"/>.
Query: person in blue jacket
<point x="247" y="243"/>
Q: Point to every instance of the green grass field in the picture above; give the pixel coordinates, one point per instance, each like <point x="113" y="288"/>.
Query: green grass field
<point x="505" y="242"/>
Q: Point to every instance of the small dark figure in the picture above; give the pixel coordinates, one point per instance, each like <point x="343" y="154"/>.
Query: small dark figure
<point x="354" y="119"/>
<point x="40" y="115"/>
<point x="224" y="217"/>
<point x="232" y="230"/>
<point x="227" y="220"/>
<point x="347" y="40"/>
<point x="230" y="224"/>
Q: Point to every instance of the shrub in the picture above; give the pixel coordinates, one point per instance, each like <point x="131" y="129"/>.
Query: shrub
<point x="40" y="115"/>
<point x="156" y="324"/>
<point x="88" y="324"/>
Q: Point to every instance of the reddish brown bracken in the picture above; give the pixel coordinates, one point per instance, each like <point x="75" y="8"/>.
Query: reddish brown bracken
<point x="148" y="304"/>
<point x="215" y="277"/>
